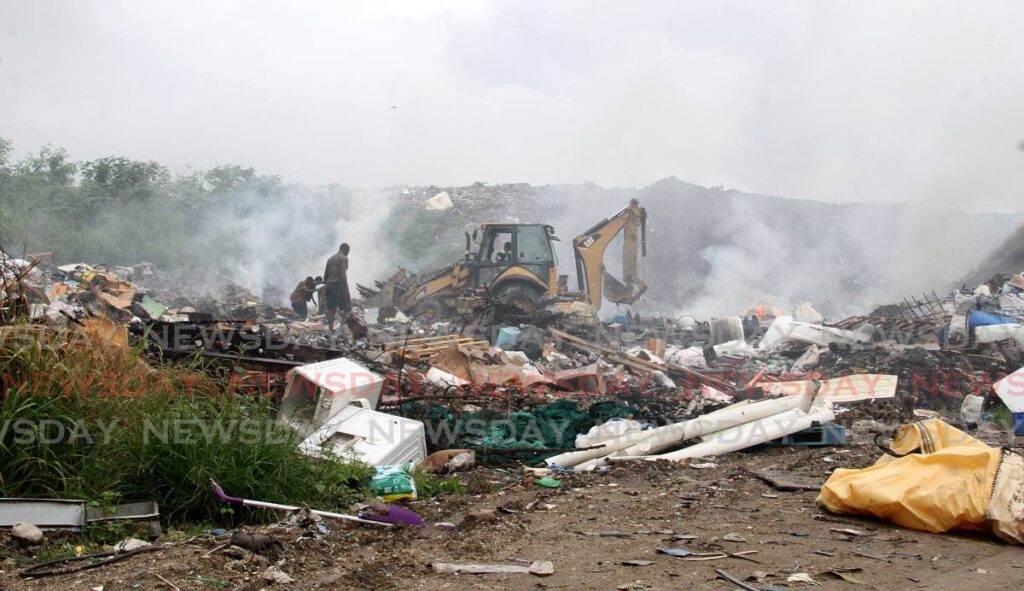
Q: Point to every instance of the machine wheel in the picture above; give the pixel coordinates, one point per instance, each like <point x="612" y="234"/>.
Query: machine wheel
<point x="520" y="296"/>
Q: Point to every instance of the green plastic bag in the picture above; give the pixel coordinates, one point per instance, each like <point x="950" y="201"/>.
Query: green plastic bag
<point x="394" y="483"/>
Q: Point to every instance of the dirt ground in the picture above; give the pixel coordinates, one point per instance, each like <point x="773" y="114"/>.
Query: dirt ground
<point x="590" y="529"/>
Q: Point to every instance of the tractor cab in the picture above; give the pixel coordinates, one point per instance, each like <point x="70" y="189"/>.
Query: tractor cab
<point x="515" y="264"/>
<point x="518" y="254"/>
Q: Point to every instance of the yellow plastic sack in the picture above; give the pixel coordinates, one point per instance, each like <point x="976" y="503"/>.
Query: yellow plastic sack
<point x="948" y="480"/>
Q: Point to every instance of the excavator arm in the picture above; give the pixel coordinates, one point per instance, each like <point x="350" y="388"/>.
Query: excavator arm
<point x="590" y="247"/>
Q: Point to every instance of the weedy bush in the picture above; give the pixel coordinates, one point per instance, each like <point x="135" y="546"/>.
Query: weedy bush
<point x="428" y="485"/>
<point x="91" y="423"/>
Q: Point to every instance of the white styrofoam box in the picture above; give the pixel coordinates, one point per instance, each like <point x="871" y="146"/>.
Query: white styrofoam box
<point x="377" y="438"/>
<point x="317" y="392"/>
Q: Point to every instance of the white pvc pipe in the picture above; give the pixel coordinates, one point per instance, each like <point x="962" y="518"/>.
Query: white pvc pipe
<point x="327" y="514"/>
<point x="654" y="440"/>
<point x="750" y="434"/>
<point x="719" y="420"/>
<point x="577" y="458"/>
<point x="571" y="459"/>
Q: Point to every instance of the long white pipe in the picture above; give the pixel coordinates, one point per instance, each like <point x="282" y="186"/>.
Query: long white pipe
<point x="653" y="440"/>
<point x="744" y="436"/>
<point x="712" y="422"/>
<point x="570" y="459"/>
<point x="327" y="514"/>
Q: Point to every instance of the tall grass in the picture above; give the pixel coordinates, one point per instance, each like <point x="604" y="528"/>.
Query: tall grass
<point x="84" y="422"/>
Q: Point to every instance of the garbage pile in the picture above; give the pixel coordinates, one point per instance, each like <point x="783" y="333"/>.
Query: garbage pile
<point x="125" y="293"/>
<point x="561" y="395"/>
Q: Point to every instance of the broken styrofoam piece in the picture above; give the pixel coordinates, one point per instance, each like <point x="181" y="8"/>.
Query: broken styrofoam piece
<point x="785" y="330"/>
<point x="1011" y="391"/>
<point x="317" y="392"/>
<point x="376" y="438"/>
<point x="71" y="268"/>
<point x="439" y="202"/>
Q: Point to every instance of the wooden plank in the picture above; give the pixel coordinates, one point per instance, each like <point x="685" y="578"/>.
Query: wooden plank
<point x="420" y="341"/>
<point x="636" y="363"/>
<point x="435" y="342"/>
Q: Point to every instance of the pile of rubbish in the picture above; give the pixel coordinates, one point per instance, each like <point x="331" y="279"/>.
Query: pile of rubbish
<point x="571" y="396"/>
<point x="125" y="294"/>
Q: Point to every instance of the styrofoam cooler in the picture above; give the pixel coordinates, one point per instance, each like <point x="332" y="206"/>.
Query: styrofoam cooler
<point x="373" y="437"/>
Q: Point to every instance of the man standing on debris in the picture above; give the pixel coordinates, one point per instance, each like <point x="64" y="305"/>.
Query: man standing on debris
<point x="302" y="293"/>
<point x="336" y="292"/>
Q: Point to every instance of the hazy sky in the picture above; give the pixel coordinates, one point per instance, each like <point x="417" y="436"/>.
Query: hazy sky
<point x="904" y="101"/>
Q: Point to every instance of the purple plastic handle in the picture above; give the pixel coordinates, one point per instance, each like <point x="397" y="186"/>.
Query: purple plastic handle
<point x="396" y="516"/>
<point x="224" y="498"/>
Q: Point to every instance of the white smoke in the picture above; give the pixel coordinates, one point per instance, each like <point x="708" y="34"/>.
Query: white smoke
<point x="269" y="245"/>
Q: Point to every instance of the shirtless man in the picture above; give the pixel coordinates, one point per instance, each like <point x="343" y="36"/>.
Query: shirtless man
<point x="336" y="294"/>
<point x="303" y="293"/>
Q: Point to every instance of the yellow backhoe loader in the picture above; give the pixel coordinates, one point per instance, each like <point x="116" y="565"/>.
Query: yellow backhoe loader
<point x="515" y="264"/>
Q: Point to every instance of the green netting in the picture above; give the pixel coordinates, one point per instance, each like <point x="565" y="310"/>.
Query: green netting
<point x="522" y="435"/>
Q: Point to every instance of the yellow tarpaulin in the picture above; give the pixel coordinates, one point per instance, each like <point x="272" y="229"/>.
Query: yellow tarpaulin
<point x="947" y="480"/>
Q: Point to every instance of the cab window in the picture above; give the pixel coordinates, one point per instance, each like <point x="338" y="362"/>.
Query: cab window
<point x="533" y="245"/>
<point x="500" y="248"/>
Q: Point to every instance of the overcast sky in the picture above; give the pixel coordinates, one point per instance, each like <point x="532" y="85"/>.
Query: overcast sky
<point x="900" y="101"/>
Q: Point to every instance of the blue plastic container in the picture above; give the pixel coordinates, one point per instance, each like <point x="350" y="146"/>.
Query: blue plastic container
<point x="1018" y="423"/>
<point x="978" y="318"/>
<point x="507" y="337"/>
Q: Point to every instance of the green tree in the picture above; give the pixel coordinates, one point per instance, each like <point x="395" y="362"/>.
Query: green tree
<point x="118" y="180"/>
<point x="5" y="152"/>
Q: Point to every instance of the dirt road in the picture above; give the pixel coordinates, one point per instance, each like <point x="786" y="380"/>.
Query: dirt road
<point x="593" y="527"/>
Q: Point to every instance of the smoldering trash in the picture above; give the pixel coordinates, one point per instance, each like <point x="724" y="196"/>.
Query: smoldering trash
<point x="446" y="411"/>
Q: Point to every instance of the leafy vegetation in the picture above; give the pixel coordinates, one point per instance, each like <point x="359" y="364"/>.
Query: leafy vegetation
<point x="116" y="210"/>
<point x="429" y="485"/>
<point x="82" y="422"/>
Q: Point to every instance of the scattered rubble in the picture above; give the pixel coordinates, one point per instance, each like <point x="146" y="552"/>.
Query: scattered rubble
<point x="547" y="406"/>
